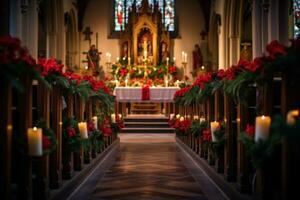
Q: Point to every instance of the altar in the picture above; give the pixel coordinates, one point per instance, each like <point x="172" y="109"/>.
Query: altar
<point x="134" y="94"/>
<point x="129" y="100"/>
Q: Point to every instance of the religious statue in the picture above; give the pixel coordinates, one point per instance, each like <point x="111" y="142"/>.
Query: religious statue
<point x="164" y="51"/>
<point x="197" y="58"/>
<point x="246" y="52"/>
<point x="93" y="57"/>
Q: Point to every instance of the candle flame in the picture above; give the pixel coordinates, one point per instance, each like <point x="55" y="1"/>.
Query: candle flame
<point x="34" y="128"/>
<point x="263" y="117"/>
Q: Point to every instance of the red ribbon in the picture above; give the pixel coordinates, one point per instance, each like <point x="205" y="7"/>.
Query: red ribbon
<point x="145" y="93"/>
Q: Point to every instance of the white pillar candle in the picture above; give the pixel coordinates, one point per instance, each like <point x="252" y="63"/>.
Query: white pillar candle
<point x="181" y="119"/>
<point x="166" y="83"/>
<point x="118" y="59"/>
<point x="290" y="117"/>
<point x="35" y="142"/>
<point x="174" y="60"/>
<point x="120" y="116"/>
<point x="167" y="61"/>
<point x="126" y="82"/>
<point x="177" y="116"/>
<point x="83" y="130"/>
<point x="182" y="56"/>
<point x="113" y="118"/>
<point x="172" y="115"/>
<point x="214" y="126"/>
<point x="129" y="59"/>
<point x="262" y="128"/>
<point x="177" y="83"/>
<point x="95" y="121"/>
<point x="185" y="57"/>
<point x="202" y="119"/>
<point x="196" y="117"/>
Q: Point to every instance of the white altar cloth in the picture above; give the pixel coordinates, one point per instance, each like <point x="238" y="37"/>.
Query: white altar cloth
<point x="134" y="94"/>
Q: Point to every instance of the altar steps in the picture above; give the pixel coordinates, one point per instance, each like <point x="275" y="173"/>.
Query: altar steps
<point x="145" y="108"/>
<point x="146" y="124"/>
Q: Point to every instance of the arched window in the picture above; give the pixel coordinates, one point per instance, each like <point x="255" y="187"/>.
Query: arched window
<point x="296" y="18"/>
<point x="122" y="8"/>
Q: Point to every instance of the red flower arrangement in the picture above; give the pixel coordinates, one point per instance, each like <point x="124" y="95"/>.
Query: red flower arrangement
<point x="202" y="80"/>
<point x="206" y="135"/>
<point x="91" y="126"/>
<point x="46" y="142"/>
<point x="73" y="77"/>
<point x="71" y="132"/>
<point x="105" y="128"/>
<point x="250" y="131"/>
<point x="181" y="92"/>
<point x="172" y="69"/>
<point x="96" y="85"/>
<point x="123" y="72"/>
<point x="50" y="66"/>
<point x="275" y="48"/>
<point x="183" y="126"/>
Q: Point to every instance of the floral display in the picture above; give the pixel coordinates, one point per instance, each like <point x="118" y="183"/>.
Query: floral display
<point x="48" y="138"/>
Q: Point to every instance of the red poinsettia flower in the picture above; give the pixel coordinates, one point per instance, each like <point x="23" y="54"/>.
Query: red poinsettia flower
<point x="206" y="135"/>
<point x="91" y="126"/>
<point x="71" y="131"/>
<point x="73" y="77"/>
<point x="250" y="130"/>
<point x="182" y="92"/>
<point x="46" y="142"/>
<point x="105" y="127"/>
<point x="123" y="72"/>
<point x="49" y="66"/>
<point x="96" y="85"/>
<point x="255" y="65"/>
<point x="202" y="80"/>
<point x="275" y="48"/>
<point x="172" y="69"/>
<point x="221" y="73"/>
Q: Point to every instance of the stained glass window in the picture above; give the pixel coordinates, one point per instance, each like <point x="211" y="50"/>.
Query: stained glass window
<point x="296" y="18"/>
<point x="122" y="8"/>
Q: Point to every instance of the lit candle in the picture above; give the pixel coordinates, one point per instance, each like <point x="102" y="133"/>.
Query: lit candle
<point x="177" y="83"/>
<point x="177" y="116"/>
<point x="262" y="128"/>
<point x="120" y="116"/>
<point x="181" y="119"/>
<point x="95" y="121"/>
<point x="174" y="60"/>
<point x="167" y="61"/>
<point x="290" y="117"/>
<point x="117" y="83"/>
<point x="166" y="83"/>
<point x="172" y="115"/>
<point x="129" y="59"/>
<point x="126" y="82"/>
<point x="185" y="57"/>
<point x="214" y="126"/>
<point x="35" y="142"/>
<point x="113" y="118"/>
<point x="196" y="117"/>
<point x="145" y="54"/>
<point x="202" y="119"/>
<point x="82" y="126"/>
<point x="182" y="56"/>
<point x="118" y="59"/>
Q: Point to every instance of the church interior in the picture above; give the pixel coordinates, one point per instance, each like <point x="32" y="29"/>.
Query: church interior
<point x="149" y="99"/>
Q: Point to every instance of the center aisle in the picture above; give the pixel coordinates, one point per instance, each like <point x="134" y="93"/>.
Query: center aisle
<point x="147" y="166"/>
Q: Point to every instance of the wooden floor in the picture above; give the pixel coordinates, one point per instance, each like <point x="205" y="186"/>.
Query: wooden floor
<point x="147" y="167"/>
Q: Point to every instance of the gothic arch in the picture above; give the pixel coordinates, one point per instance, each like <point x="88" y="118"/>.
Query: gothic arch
<point x="71" y="40"/>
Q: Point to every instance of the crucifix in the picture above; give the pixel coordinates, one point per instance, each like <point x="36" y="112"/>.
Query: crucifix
<point x="87" y="33"/>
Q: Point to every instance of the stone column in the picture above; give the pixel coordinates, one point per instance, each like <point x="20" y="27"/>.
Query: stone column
<point x="273" y="19"/>
<point x="264" y="24"/>
<point x="256" y="29"/>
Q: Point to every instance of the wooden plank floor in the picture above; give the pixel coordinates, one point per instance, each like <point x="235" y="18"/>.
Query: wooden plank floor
<point x="147" y="168"/>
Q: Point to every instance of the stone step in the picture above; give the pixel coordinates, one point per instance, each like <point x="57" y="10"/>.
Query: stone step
<point x="147" y="130"/>
<point x="126" y="119"/>
<point x="146" y="124"/>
